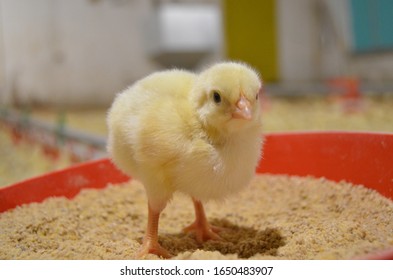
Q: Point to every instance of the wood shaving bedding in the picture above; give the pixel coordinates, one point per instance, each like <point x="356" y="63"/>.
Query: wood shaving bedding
<point x="276" y="217"/>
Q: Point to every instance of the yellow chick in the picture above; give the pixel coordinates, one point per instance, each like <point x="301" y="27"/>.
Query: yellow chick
<point x="199" y="134"/>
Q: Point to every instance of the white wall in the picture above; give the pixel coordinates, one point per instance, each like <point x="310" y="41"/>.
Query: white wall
<point x="312" y="39"/>
<point x="74" y="52"/>
<point x="377" y="68"/>
<point x="315" y="43"/>
<point x="296" y="40"/>
<point x="338" y="55"/>
<point x="3" y="92"/>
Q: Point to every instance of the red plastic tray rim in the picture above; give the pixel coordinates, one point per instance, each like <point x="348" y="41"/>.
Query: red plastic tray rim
<point x="357" y="157"/>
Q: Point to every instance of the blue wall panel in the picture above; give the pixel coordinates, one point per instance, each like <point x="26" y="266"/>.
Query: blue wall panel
<point x="372" y="25"/>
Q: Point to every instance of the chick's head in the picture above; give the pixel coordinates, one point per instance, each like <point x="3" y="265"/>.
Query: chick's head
<point x="226" y="96"/>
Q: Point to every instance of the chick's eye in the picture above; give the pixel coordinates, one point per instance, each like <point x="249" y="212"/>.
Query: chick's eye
<point x="216" y="97"/>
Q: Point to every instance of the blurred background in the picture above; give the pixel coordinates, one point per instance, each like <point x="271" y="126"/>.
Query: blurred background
<point x="326" y="65"/>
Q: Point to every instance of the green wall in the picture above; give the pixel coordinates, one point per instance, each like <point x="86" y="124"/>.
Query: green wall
<point x="250" y="34"/>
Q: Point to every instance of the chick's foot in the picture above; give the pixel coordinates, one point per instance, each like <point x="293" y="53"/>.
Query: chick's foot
<point x="203" y="232"/>
<point x="150" y="243"/>
<point x="152" y="247"/>
<point x="201" y="228"/>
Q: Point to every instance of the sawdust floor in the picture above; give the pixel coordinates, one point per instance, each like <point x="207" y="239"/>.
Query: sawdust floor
<point x="276" y="217"/>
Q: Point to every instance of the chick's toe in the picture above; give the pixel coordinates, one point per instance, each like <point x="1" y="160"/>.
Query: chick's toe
<point x="203" y="232"/>
<point x="152" y="247"/>
<point x="201" y="227"/>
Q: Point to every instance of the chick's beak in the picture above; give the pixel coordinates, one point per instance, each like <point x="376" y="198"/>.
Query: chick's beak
<point x="242" y="109"/>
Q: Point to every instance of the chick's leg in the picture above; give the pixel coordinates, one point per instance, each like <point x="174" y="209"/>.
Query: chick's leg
<point x="200" y="227"/>
<point x="150" y="243"/>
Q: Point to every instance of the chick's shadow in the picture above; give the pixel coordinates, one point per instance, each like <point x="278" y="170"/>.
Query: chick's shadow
<point x="243" y="241"/>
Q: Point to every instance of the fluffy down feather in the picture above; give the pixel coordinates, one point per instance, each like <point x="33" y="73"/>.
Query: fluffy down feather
<point x="199" y="134"/>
